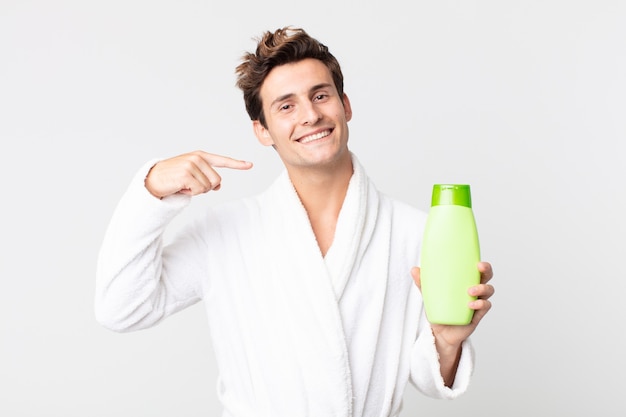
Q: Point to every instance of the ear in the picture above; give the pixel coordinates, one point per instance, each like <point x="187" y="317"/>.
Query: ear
<point x="347" y="107"/>
<point x="262" y="134"/>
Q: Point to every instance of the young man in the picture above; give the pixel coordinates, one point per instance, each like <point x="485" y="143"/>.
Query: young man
<point x="310" y="287"/>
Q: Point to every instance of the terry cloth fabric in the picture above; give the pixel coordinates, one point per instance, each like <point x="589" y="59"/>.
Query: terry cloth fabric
<point x="295" y="333"/>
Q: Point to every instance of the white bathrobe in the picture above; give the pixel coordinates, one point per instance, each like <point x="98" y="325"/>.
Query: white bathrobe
<point x="295" y="333"/>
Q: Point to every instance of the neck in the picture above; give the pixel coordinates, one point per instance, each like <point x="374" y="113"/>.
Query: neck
<point x="322" y="192"/>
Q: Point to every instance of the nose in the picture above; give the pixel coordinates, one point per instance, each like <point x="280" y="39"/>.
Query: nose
<point x="310" y="114"/>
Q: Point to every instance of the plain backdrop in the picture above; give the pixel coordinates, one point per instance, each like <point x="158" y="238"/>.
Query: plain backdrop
<point x="524" y="100"/>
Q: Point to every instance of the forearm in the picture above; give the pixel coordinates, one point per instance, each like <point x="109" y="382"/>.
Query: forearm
<point x="449" y="357"/>
<point x="439" y="372"/>
<point x="131" y="287"/>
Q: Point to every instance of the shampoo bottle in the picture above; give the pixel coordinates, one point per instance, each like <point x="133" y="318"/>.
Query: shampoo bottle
<point x="449" y="255"/>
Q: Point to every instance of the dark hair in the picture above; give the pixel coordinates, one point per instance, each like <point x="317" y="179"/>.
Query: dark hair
<point x="284" y="46"/>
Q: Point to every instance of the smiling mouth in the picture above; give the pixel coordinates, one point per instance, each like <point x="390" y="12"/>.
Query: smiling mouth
<point x="317" y="136"/>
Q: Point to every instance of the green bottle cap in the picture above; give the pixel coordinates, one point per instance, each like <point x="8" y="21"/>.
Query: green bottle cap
<point x="451" y="194"/>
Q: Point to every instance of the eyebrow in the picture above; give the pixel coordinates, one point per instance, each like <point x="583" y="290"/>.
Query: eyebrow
<point x="289" y="95"/>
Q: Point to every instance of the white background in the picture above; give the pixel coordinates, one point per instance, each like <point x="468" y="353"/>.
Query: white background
<point x="524" y="100"/>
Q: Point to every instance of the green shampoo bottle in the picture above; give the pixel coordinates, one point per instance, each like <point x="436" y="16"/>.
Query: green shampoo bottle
<point x="449" y="256"/>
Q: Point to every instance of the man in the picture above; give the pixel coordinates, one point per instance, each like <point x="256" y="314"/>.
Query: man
<point x="307" y="286"/>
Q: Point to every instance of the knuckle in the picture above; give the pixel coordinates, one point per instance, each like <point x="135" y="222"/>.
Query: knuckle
<point x="194" y="159"/>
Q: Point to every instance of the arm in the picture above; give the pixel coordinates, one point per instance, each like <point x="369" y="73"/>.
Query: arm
<point x="426" y="370"/>
<point x="138" y="281"/>
<point x="449" y="339"/>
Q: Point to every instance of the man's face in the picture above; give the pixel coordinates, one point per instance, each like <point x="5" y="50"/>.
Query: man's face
<point x="307" y="120"/>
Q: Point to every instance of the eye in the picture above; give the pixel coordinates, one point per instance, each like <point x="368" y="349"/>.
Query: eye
<point x="320" y="97"/>
<point x="285" y="107"/>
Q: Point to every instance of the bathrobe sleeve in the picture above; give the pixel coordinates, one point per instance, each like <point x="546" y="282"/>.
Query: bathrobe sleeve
<point x="425" y="372"/>
<point x="134" y="284"/>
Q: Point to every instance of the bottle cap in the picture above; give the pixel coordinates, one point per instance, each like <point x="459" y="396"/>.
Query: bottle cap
<point x="451" y="194"/>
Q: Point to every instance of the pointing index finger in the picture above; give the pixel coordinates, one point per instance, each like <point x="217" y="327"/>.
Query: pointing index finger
<point x="221" y="161"/>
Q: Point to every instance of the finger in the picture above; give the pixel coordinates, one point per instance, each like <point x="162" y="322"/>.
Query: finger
<point x="483" y="291"/>
<point x="480" y="307"/>
<point x="209" y="179"/>
<point x="486" y="272"/>
<point x="203" y="183"/>
<point x="221" y="161"/>
<point x="171" y="176"/>
<point x="415" y="273"/>
<point x="198" y="174"/>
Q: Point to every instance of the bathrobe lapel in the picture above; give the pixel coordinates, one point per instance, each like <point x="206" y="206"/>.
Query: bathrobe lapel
<point x="306" y="303"/>
<point x="354" y="230"/>
<point x="322" y="309"/>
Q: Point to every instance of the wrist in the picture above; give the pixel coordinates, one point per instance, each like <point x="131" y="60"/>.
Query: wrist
<point x="445" y="350"/>
<point x="146" y="184"/>
<point x="449" y="356"/>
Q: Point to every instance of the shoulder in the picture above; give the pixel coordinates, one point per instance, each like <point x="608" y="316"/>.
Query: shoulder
<point x="403" y="211"/>
<point x="407" y="227"/>
<point x="400" y="209"/>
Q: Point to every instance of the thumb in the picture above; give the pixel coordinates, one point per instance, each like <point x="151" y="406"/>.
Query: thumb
<point x="415" y="273"/>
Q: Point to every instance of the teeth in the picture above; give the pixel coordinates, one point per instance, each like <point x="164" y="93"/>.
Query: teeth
<point x="315" y="137"/>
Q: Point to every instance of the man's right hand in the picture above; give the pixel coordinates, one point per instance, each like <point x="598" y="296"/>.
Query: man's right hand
<point x="191" y="173"/>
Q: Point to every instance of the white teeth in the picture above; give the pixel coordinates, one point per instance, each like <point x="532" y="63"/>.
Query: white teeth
<point x="315" y="137"/>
